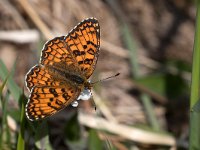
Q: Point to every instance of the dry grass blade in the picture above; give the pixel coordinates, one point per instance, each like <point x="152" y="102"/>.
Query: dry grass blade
<point x="118" y="51"/>
<point x="36" y="19"/>
<point x="131" y="133"/>
<point x="20" y="36"/>
<point x="16" y="15"/>
<point x="11" y="123"/>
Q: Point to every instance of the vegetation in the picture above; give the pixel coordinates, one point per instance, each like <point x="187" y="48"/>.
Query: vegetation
<point x="147" y="107"/>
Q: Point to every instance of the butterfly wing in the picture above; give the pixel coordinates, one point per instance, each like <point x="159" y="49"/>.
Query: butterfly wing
<point x="45" y="101"/>
<point x="79" y="49"/>
<point x="39" y="75"/>
<point x="84" y="43"/>
<point x="55" y="52"/>
<point x="50" y="92"/>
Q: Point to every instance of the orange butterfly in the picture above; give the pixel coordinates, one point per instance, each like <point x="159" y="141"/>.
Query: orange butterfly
<point x="62" y="74"/>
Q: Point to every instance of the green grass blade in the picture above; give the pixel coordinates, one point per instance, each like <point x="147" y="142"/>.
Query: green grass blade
<point x="109" y="145"/>
<point x="129" y="42"/>
<point x="196" y="62"/>
<point x="21" y="141"/>
<point x="94" y="141"/>
<point x="42" y="136"/>
<point x="4" y="126"/>
<point x="194" y="136"/>
<point x="4" y="101"/>
<point x="194" y="127"/>
<point x="3" y="85"/>
<point x="149" y="111"/>
<point x="12" y="86"/>
<point x="5" y="116"/>
<point x="146" y="100"/>
<point x="5" y="130"/>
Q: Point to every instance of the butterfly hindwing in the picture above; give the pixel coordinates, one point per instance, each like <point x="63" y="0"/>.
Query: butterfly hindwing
<point x="45" y="101"/>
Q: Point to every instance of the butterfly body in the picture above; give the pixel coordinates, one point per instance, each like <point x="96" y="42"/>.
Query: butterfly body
<point x="65" y="66"/>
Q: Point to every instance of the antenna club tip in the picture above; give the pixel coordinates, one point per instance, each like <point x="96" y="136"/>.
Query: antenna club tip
<point x="105" y="78"/>
<point x="117" y="74"/>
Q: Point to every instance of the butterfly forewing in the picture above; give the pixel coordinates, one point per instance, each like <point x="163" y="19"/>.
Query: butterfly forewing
<point x="55" y="51"/>
<point x="83" y="43"/>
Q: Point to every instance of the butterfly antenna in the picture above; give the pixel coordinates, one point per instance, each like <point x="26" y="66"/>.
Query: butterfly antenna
<point x="101" y="80"/>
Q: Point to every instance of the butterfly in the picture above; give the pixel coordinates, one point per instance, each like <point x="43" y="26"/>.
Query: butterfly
<point x="64" y="69"/>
